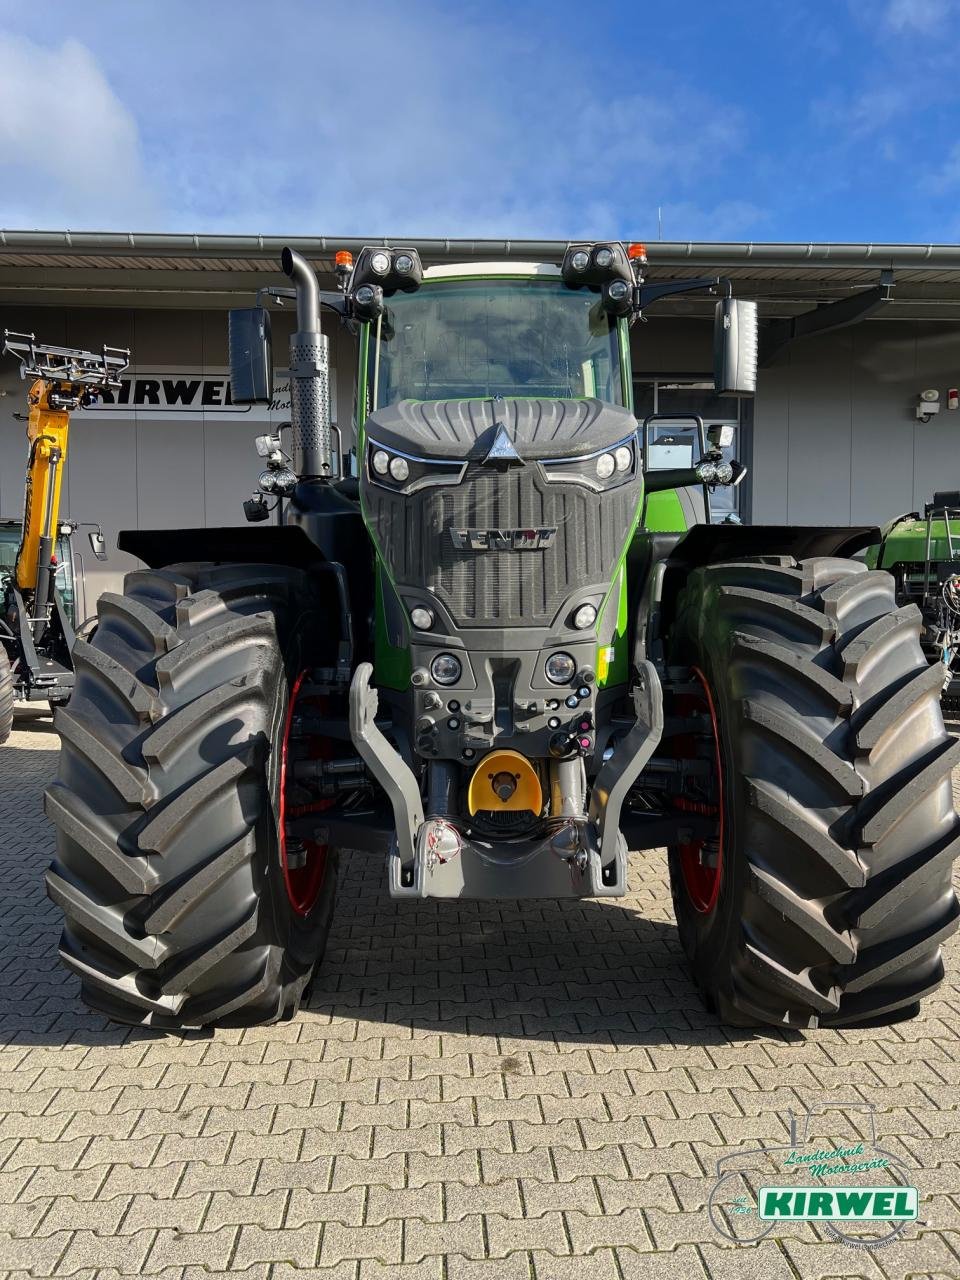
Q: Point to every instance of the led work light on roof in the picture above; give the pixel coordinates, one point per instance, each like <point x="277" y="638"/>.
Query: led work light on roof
<point x="368" y="301"/>
<point x="384" y="268"/>
<point x="603" y="267"/>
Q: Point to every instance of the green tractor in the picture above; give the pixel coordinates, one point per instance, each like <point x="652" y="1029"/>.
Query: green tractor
<point x="923" y="555"/>
<point x="484" y="649"/>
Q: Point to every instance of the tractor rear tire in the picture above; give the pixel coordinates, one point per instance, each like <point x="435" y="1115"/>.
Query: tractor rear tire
<point x="167" y="805"/>
<point x="7" y="695"/>
<point x="839" y="832"/>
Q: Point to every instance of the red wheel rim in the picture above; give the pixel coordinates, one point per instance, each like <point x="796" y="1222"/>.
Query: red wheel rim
<point x="305" y="876"/>
<point x="701" y="866"/>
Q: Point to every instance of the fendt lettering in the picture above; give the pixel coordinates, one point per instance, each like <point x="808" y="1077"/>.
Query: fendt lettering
<point x="503" y="539"/>
<point x="370" y="670"/>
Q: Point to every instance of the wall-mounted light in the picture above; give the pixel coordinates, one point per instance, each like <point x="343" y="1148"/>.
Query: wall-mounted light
<point x="928" y="403"/>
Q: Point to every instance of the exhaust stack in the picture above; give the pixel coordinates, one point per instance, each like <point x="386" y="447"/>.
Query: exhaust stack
<point x="309" y="376"/>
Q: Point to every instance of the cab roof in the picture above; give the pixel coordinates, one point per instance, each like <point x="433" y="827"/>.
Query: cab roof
<point x="522" y="270"/>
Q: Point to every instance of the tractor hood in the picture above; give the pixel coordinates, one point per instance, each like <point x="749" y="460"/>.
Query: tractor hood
<point x="468" y="429"/>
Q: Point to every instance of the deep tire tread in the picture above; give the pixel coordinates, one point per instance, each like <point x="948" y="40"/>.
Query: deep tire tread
<point x="839" y="779"/>
<point x="8" y="695"/>
<point x="163" y="805"/>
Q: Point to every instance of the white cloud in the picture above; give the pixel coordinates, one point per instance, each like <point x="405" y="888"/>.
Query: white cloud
<point x="69" y="149"/>
<point x="924" y="16"/>
<point x="461" y="124"/>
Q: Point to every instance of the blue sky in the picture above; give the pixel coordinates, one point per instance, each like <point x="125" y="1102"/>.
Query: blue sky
<point x="765" y="120"/>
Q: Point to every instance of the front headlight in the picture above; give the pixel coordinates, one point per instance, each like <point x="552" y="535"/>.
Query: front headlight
<point x="446" y="668"/>
<point x="405" y="474"/>
<point x="603" y="470"/>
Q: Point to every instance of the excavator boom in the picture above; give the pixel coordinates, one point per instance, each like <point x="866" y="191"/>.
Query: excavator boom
<point x="36" y="633"/>
<point x="65" y="378"/>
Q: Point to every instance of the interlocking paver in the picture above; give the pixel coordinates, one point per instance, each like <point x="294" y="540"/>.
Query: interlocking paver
<point x="480" y="1090"/>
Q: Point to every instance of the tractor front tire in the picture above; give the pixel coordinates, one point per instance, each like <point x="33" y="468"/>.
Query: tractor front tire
<point x="7" y="695"/>
<point x="831" y="892"/>
<point x="167" y="806"/>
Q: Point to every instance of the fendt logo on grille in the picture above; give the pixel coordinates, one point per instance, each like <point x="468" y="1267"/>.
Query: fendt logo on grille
<point x="502" y="539"/>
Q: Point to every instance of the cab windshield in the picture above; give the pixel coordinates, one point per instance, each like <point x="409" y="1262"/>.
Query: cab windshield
<point x="509" y="337"/>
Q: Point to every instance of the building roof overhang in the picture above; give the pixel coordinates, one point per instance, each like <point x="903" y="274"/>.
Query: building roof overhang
<point x="159" y="270"/>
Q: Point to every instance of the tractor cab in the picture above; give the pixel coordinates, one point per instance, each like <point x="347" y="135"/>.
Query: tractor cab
<point x="65" y="578"/>
<point x="500" y="330"/>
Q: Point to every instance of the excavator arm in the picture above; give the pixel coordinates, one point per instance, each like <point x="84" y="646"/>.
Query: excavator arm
<point x="64" y="379"/>
<point x="47" y="432"/>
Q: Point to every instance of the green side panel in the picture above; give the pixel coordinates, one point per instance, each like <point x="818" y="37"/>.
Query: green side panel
<point x="907" y="542"/>
<point x="391" y="664"/>
<point x="612" y="659"/>
<point x="664" y="513"/>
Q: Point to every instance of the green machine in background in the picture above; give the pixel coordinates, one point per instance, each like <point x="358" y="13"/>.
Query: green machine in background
<point x="923" y="554"/>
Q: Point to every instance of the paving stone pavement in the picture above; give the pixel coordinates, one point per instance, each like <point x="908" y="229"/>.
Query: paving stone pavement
<point x="512" y="1092"/>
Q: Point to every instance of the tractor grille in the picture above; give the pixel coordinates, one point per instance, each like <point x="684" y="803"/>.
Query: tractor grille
<point x="496" y="588"/>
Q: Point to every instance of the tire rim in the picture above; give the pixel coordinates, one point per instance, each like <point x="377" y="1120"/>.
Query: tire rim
<point x="700" y="867"/>
<point x="304" y="862"/>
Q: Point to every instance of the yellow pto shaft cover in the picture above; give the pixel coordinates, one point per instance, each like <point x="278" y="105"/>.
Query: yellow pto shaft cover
<point x="505" y="781"/>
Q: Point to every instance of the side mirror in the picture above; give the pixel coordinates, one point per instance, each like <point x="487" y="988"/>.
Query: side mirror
<point x="251" y="359"/>
<point x="98" y="544"/>
<point x="735" y="341"/>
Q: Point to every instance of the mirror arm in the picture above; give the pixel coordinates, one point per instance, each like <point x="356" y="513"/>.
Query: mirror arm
<point x="657" y="481"/>
<point x="333" y="301"/>
<point x="647" y="293"/>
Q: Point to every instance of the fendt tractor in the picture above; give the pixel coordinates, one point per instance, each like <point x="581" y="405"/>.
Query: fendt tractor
<point x="478" y="649"/>
<point x="37" y="618"/>
<point x="923" y="555"/>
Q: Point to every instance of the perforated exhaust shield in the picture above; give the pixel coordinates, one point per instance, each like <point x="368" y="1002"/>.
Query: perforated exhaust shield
<point x="310" y="404"/>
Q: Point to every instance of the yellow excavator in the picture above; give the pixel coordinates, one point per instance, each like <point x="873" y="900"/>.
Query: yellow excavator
<point x="36" y="629"/>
